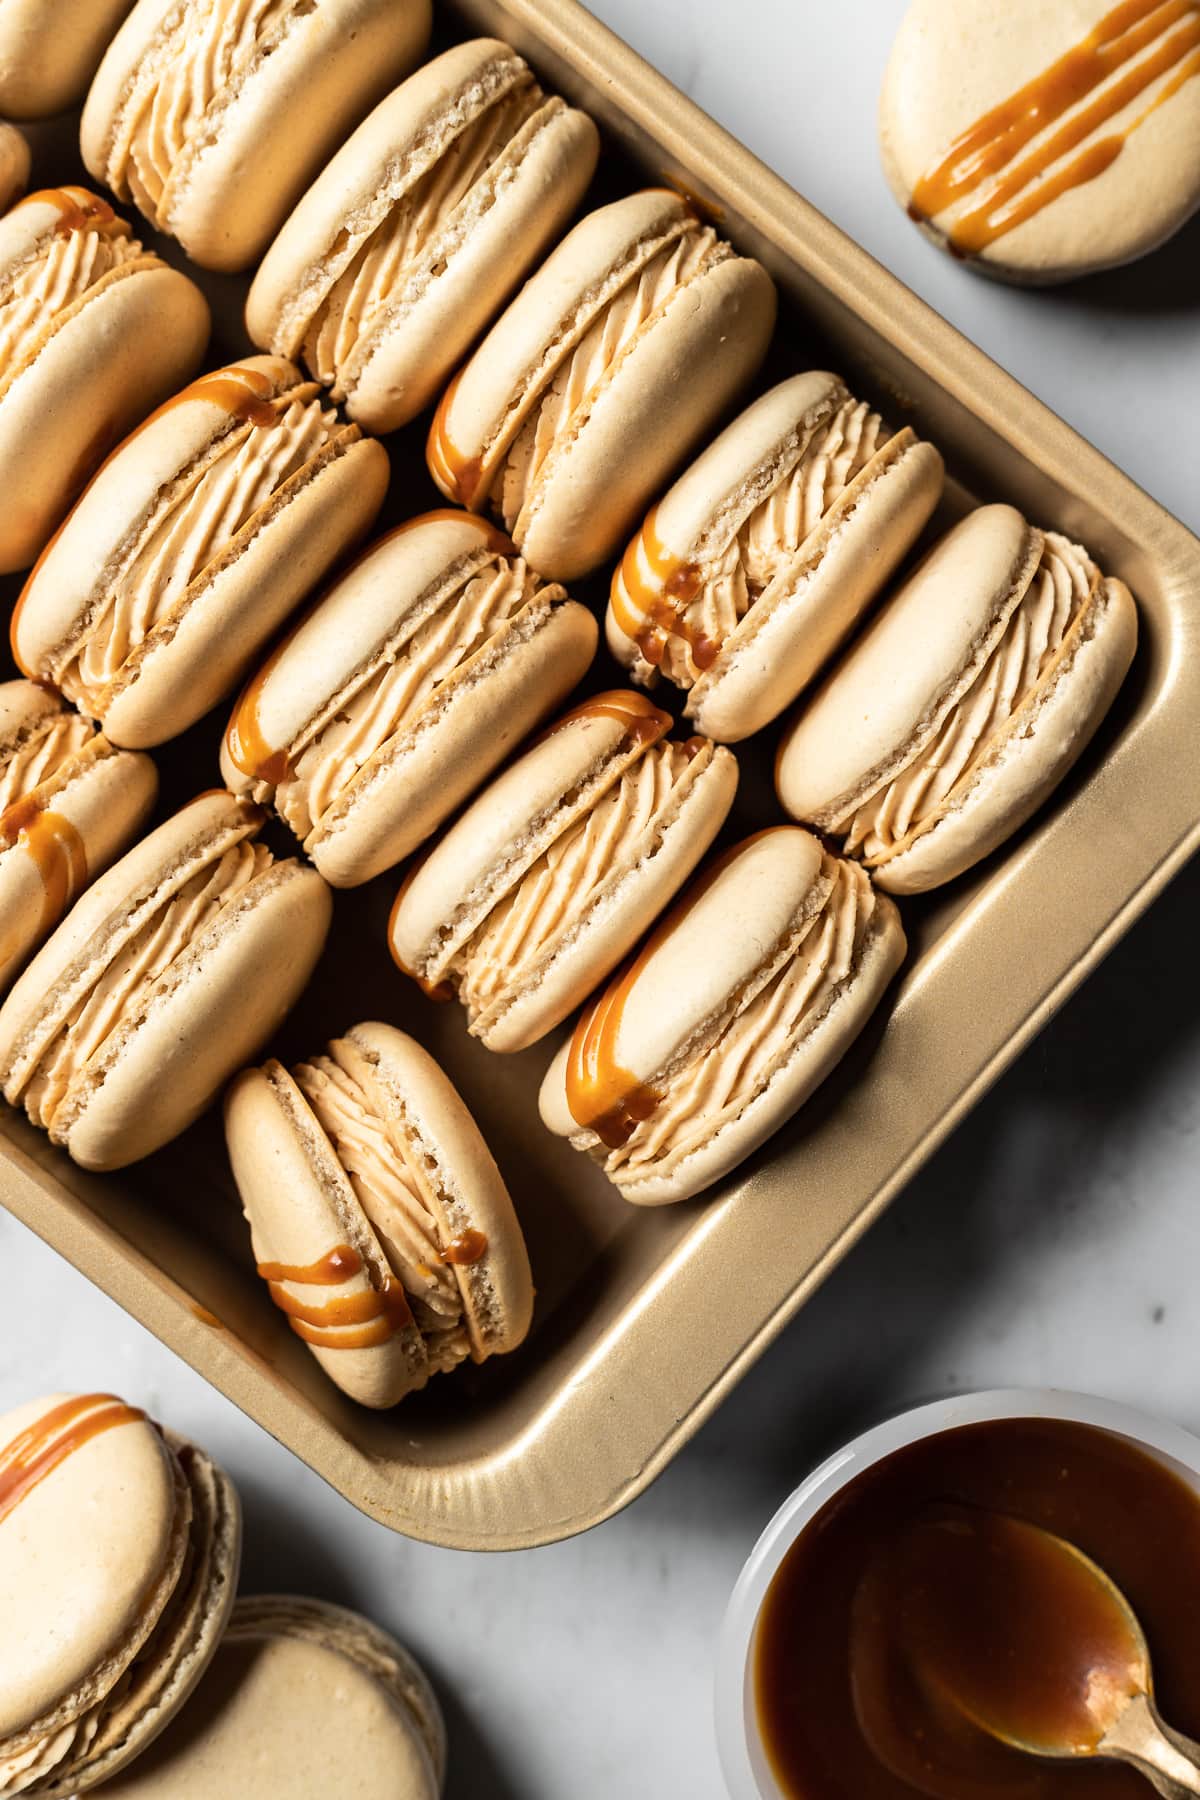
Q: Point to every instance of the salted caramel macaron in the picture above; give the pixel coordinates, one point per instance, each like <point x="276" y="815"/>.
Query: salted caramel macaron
<point x="378" y="1217"/>
<point x="759" y="561"/>
<point x="402" y="689"/>
<point x="963" y="704"/>
<point x="212" y="116"/>
<point x="171" y="970"/>
<point x="94" y="332"/>
<point x="119" y="1553"/>
<point x="192" y="545"/>
<point x="595" y="382"/>
<point x="69" y="804"/>
<point x="49" y="50"/>
<point x="1039" y="140"/>
<point x="305" y="1701"/>
<point x="415" y="234"/>
<point x="554" y="872"/>
<point x="739" y="1005"/>
<point x="14" y="165"/>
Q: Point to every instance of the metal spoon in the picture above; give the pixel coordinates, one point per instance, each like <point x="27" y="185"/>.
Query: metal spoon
<point x="1024" y="1637"/>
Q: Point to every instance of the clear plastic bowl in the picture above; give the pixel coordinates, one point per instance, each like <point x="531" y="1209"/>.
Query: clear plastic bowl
<point x="747" y="1773"/>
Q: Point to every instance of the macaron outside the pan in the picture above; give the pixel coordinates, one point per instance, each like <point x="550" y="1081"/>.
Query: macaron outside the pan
<point x="760" y="560"/>
<point x="402" y="689"/>
<point x="306" y="1701"/>
<point x="613" y="360"/>
<point x="739" y="1005"/>
<point x="1040" y="140"/>
<point x="94" y="332"/>
<point x="173" y="968"/>
<point x="377" y="1215"/>
<point x="554" y="872"/>
<point x="119" y="1552"/>
<point x="14" y="164"/>
<point x="963" y="704"/>
<point x="192" y="545"/>
<point x="212" y="116"/>
<point x="416" y="233"/>
<point x="69" y="804"/>
<point x="49" y="50"/>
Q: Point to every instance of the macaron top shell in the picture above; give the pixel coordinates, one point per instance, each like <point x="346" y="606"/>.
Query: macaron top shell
<point x="49" y="50"/>
<point x="310" y="1697"/>
<point x="14" y="164"/>
<point x="1036" y="177"/>
<point x="193" y="112"/>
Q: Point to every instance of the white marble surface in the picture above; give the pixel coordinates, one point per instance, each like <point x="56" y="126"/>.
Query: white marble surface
<point x="1054" y="1240"/>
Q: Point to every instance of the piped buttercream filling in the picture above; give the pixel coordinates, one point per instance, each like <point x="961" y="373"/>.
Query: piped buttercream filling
<point x="712" y="1090"/>
<point x="569" y="396"/>
<point x="884" y="824"/>
<point x="41" y="754"/>
<point x="64" y="266"/>
<point x="193" y="523"/>
<point x="347" y="318"/>
<point x="205" y="47"/>
<point x="555" y="895"/>
<point x="120" y="990"/>
<point x="390" y="1178"/>
<point x="384" y="702"/>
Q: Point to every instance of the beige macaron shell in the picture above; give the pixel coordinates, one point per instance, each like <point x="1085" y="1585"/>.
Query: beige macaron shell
<point x="122" y="348"/>
<point x="1032" y="757"/>
<point x="235" y="184"/>
<point x="14" y="164"/>
<point x="49" y="50"/>
<point x="510" y="215"/>
<point x="311" y="1699"/>
<point x="87" y="1558"/>
<point x="951" y="64"/>
<point x="470" y="1191"/>
<point x="892" y="684"/>
<point x="300" y="1206"/>
<point x="106" y="799"/>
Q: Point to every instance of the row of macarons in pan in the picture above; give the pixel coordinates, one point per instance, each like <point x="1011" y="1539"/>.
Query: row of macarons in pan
<point x="129" y="1661"/>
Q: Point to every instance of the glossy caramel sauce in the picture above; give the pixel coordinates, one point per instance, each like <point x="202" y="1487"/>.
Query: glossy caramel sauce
<point x="378" y="1313"/>
<point x="40" y="1449"/>
<point x="995" y="141"/>
<point x="55" y="848"/>
<point x="78" y="210"/>
<point x="859" y="1616"/>
<point x="246" y="394"/>
<point x="457" y="475"/>
<point x="470" y="1246"/>
<point x="644" y="723"/>
<point x="652" y="610"/>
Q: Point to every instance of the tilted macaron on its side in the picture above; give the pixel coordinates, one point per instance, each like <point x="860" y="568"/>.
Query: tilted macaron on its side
<point x="170" y="971"/>
<point x="613" y="360"/>
<point x="739" y="1005"/>
<point x="49" y="50"/>
<point x="94" y="332"/>
<point x="69" y="804"/>
<point x="192" y="545"/>
<point x="755" y="566"/>
<point x="119" y="1553"/>
<point x="963" y="704"/>
<point x="377" y="1214"/>
<point x="416" y="233"/>
<point x="309" y="1698"/>
<point x="401" y="691"/>
<point x="1041" y="141"/>
<point x="212" y="116"/>
<point x="14" y="165"/>
<point x="554" y="872"/>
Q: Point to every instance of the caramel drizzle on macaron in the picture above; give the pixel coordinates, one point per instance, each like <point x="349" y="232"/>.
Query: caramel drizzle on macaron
<point x="246" y="394"/>
<point x="468" y="1248"/>
<point x="993" y="142"/>
<point x="458" y="476"/>
<point x="40" y="1449"/>
<point x="651" y="611"/>
<point x="380" y="1313"/>
<point x="644" y="723"/>
<point x="78" y="210"/>
<point x="55" y="846"/>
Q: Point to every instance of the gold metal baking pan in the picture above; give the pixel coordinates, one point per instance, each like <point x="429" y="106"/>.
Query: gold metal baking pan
<point x="647" y="1319"/>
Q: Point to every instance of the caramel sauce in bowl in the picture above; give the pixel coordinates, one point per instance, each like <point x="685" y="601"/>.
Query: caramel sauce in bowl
<point x="1113" y="1481"/>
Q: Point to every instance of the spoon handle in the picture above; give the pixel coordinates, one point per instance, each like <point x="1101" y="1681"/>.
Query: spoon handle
<point x="1169" y="1761"/>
